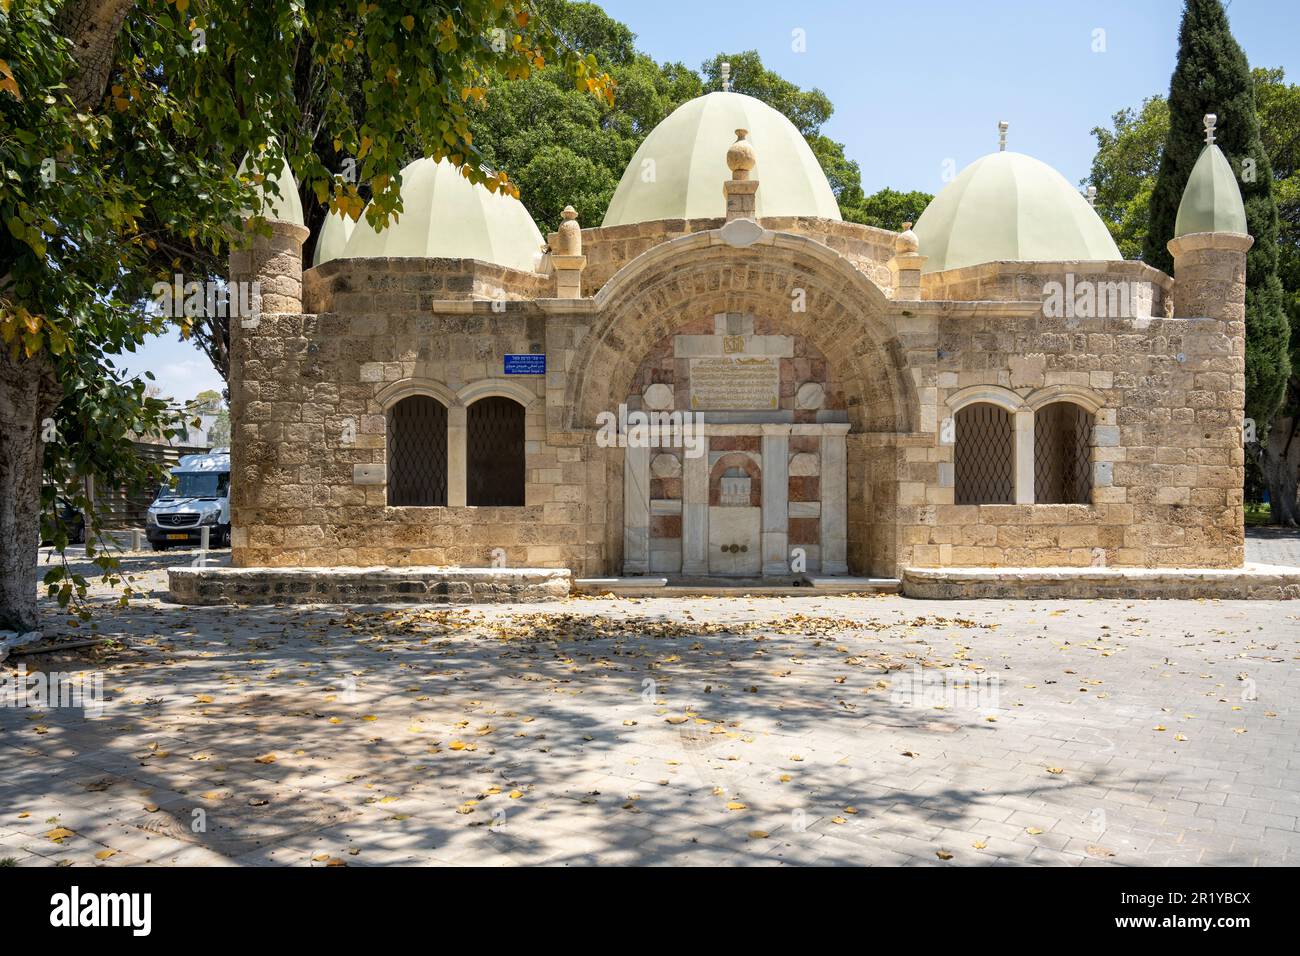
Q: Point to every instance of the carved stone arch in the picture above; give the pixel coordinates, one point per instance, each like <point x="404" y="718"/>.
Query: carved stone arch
<point x="503" y="388"/>
<point x="793" y="284"/>
<point x="843" y="315"/>
<point x="394" y="392"/>
<point x="988" y="394"/>
<point x="1080" y="395"/>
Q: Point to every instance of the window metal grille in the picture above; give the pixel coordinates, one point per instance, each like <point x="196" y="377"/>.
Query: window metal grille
<point x="1062" y="454"/>
<point x="984" y="456"/>
<point x="496" y="453"/>
<point x="417" y="452"/>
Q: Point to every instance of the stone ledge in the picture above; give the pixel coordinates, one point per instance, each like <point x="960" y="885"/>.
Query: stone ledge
<point x="679" y="586"/>
<point x="377" y="585"/>
<point x="1257" y="581"/>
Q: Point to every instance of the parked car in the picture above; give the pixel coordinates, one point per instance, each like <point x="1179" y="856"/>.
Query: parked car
<point x="72" y="519"/>
<point x="197" y="497"/>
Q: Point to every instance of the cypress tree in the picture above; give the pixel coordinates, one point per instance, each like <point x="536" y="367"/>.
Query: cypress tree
<point x="1213" y="76"/>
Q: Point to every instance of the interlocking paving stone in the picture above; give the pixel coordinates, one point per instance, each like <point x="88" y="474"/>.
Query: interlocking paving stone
<point x="361" y="712"/>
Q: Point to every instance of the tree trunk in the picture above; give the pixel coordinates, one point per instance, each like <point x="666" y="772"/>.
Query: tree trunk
<point x="29" y="392"/>
<point x="92" y="26"/>
<point x="1280" y="463"/>
<point x="29" y="388"/>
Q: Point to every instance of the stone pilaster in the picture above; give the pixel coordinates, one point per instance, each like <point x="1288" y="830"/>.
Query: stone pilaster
<point x="636" y="510"/>
<point x="567" y="257"/>
<point x="1023" y="423"/>
<point x="905" y="267"/>
<point x="834" y="500"/>
<point x="457" y="456"/>
<point x="776" y="499"/>
<point x="695" y="512"/>
<point x="740" y="191"/>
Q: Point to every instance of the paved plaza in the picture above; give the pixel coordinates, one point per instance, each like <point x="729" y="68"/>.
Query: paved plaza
<point x="847" y="730"/>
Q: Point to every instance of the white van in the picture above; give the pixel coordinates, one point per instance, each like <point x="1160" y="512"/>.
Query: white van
<point x="197" y="496"/>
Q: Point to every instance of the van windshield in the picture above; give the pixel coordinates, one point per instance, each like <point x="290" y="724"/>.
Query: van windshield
<point x="206" y="484"/>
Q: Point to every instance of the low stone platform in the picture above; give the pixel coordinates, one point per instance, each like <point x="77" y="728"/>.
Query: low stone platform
<point x="378" y="585"/>
<point x="1258" y="581"/>
<point x="794" y="586"/>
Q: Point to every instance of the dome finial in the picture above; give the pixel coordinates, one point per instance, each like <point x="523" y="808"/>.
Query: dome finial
<point x="1210" y="120"/>
<point x="1003" y="125"/>
<point x="741" y="157"/>
<point x="1092" y="196"/>
<point x="726" y="77"/>
<point x="905" y="242"/>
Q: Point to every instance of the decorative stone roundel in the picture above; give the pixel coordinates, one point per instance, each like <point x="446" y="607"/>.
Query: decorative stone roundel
<point x="810" y="395"/>
<point x="804" y="464"/>
<point x="658" y="397"/>
<point x="666" y="466"/>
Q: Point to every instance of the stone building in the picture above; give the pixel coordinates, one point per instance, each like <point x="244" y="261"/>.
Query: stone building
<point x="726" y="380"/>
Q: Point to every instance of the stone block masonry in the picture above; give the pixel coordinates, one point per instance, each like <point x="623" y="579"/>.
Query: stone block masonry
<point x="366" y="585"/>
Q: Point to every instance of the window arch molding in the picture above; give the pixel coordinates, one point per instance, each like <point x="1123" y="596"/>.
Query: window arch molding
<point x="987" y="394"/>
<point x="1086" y="398"/>
<point x="495" y="387"/>
<point x="394" y="392"/>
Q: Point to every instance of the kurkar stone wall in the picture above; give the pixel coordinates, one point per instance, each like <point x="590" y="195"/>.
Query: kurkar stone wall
<point x="896" y="355"/>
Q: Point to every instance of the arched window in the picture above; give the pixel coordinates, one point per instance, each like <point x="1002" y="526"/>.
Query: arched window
<point x="984" y="456"/>
<point x="417" y="452"/>
<point x="1062" y="454"/>
<point x="495" y="452"/>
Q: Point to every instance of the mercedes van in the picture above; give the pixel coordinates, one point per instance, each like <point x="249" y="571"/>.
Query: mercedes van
<point x="196" y="497"/>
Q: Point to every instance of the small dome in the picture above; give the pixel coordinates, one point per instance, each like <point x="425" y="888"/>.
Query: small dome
<point x="447" y="216"/>
<point x="334" y="236"/>
<point x="1010" y="207"/>
<point x="689" y="153"/>
<point x="286" y="207"/>
<point x="1212" y="200"/>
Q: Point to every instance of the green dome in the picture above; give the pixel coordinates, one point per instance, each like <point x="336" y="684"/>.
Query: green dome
<point x="334" y="236"/>
<point x="447" y="216"/>
<point x="689" y="154"/>
<point x="1212" y="200"/>
<point x="1010" y="207"/>
<point x="286" y="207"/>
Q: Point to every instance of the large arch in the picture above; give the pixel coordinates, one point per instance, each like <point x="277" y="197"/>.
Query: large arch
<point x="844" y="315"/>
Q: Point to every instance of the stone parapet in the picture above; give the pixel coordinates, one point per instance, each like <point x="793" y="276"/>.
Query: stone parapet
<point x="379" y="585"/>
<point x="1254" y="581"/>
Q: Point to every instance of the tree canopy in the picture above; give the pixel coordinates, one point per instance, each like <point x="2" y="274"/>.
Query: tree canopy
<point x="1212" y="75"/>
<point x="122" y="125"/>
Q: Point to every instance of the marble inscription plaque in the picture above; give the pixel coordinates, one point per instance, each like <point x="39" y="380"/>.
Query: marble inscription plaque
<point x="735" y="383"/>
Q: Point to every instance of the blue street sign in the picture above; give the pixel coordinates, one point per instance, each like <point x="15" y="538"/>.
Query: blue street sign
<point x="531" y="364"/>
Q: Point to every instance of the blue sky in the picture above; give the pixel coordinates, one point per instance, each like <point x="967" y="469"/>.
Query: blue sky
<point x="918" y="83"/>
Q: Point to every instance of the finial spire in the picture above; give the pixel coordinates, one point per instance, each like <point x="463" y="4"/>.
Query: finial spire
<point x="726" y="77"/>
<point x="1003" y="125"/>
<point x="1092" y="196"/>
<point x="1210" y="120"/>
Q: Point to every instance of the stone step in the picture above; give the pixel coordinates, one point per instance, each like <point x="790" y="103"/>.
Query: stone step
<point x="797" y="586"/>
<point x="1257" y="581"/>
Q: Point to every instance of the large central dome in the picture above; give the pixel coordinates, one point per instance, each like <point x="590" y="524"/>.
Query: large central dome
<point x="678" y="171"/>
